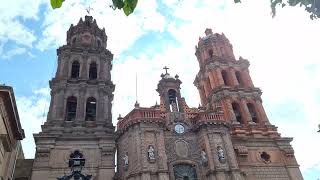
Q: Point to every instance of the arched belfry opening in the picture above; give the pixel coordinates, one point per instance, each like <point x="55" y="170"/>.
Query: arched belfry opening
<point x="173" y="100"/>
<point x="71" y="108"/>
<point x="91" y="107"/>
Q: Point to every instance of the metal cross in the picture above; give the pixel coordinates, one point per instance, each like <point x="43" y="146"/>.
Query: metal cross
<point x="166" y="68"/>
<point x="88" y="9"/>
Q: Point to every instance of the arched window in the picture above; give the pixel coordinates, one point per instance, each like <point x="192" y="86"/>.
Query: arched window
<point x="91" y="109"/>
<point x="237" y="112"/>
<point x="93" y="71"/>
<point x="99" y="44"/>
<point x="225" y="77"/>
<point x="252" y="112"/>
<point x="173" y="100"/>
<point x="75" y="68"/>
<point x="238" y="76"/>
<point x="210" y="53"/>
<point x="71" y="108"/>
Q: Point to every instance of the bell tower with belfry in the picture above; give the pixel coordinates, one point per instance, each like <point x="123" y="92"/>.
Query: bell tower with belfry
<point x="79" y="120"/>
<point x="224" y="83"/>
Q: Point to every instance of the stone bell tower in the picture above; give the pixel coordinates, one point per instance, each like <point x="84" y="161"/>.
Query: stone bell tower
<point x="79" y="117"/>
<point x="224" y="82"/>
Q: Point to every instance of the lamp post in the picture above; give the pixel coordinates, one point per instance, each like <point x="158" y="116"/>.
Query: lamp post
<point x="76" y="163"/>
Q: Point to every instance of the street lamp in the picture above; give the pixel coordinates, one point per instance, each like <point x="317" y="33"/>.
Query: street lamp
<point x="76" y="163"/>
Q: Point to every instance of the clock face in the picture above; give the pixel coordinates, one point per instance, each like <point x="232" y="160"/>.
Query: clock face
<point x="179" y="128"/>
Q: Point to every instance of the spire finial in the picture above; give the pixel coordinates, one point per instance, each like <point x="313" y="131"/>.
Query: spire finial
<point x="166" y="69"/>
<point x="88" y="9"/>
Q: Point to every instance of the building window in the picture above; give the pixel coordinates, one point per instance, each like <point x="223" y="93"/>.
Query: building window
<point x="265" y="157"/>
<point x="225" y="77"/>
<point x="75" y="69"/>
<point x="236" y="111"/>
<point x="238" y="76"/>
<point x="210" y="53"/>
<point x="71" y="108"/>
<point x="99" y="44"/>
<point x="93" y="71"/>
<point x="91" y="109"/>
<point x="252" y="112"/>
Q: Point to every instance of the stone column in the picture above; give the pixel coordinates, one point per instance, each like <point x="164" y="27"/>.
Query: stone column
<point x="206" y="88"/>
<point x="230" y="112"/>
<point x="59" y="68"/>
<point x="262" y="114"/>
<point x="102" y="69"/>
<point x="51" y="112"/>
<point x="246" y="114"/>
<point x="233" y="77"/>
<point x="84" y="67"/>
<point x="80" y="105"/>
<point x="210" y="154"/>
<point x="214" y="77"/>
<point x="65" y="67"/>
<point x="202" y="96"/>
<point x="247" y="78"/>
<point x="162" y="156"/>
<point x="219" y="77"/>
<point x="212" y="81"/>
<point x="60" y="105"/>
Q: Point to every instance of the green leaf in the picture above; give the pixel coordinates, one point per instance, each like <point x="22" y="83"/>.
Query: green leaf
<point x="132" y="4"/>
<point x="237" y="1"/>
<point x="129" y="6"/>
<point x="118" y="3"/>
<point x="56" y="3"/>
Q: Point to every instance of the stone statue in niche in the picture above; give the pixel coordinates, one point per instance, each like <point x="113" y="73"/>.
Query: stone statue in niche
<point x="126" y="161"/>
<point x="221" y="156"/>
<point x="151" y="153"/>
<point x="204" y="158"/>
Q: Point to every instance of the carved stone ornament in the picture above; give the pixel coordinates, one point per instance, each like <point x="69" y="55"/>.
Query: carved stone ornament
<point x="151" y="154"/>
<point x="220" y="154"/>
<point x="181" y="148"/>
<point x="126" y="161"/>
<point x="204" y="158"/>
<point x="241" y="150"/>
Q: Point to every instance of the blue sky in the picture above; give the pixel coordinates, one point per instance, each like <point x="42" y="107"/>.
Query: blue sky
<point x="283" y="53"/>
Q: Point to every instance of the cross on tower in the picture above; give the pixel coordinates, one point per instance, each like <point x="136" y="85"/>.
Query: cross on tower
<point x="166" y="69"/>
<point x="88" y="9"/>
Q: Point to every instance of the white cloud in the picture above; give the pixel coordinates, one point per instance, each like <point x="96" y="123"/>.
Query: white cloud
<point x="13" y="14"/>
<point x="121" y="30"/>
<point x="32" y="112"/>
<point x="13" y="52"/>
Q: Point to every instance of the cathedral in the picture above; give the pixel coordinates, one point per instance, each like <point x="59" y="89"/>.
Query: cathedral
<point x="228" y="137"/>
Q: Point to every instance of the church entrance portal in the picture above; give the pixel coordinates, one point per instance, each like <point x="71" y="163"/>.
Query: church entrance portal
<point x="184" y="172"/>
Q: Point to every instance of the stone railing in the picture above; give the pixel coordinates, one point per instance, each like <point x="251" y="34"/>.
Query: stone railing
<point x="210" y="117"/>
<point x="140" y="115"/>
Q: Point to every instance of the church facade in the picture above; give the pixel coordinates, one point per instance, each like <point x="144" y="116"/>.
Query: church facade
<point x="228" y="137"/>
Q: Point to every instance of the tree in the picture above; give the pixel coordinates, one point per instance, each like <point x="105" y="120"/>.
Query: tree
<point x="128" y="6"/>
